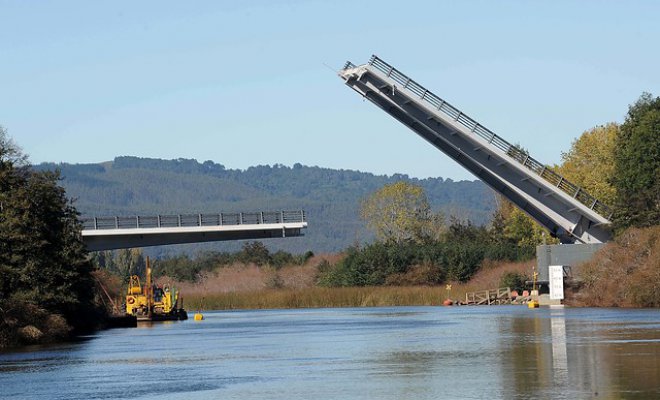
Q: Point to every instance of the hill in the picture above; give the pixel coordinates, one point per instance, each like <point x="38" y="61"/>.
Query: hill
<point x="331" y="198"/>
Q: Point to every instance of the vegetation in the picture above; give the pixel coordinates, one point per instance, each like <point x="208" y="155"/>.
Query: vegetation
<point x="626" y="273"/>
<point x="238" y="287"/>
<point x="637" y="166"/>
<point x="417" y="248"/>
<point x="316" y="297"/>
<point x="185" y="268"/>
<point x="122" y="263"/>
<point x="515" y="281"/>
<point x="399" y="212"/>
<point x="590" y="162"/>
<point x="511" y="226"/>
<point x="46" y="286"/>
<point x="456" y="256"/>
<point x="621" y="165"/>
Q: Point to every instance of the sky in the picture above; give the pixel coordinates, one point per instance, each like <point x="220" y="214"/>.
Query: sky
<point x="247" y="83"/>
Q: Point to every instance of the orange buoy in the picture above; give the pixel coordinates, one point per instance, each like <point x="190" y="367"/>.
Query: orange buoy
<point x="447" y="302"/>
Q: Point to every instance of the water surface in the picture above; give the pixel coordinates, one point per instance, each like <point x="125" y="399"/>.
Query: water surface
<point x="499" y="352"/>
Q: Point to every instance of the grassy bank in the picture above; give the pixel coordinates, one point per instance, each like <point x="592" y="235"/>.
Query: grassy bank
<point x="222" y="291"/>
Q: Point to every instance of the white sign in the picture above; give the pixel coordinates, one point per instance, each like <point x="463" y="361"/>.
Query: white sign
<point x="556" y="282"/>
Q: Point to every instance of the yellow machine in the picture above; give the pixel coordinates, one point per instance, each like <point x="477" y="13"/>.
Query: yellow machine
<point x="136" y="300"/>
<point x="152" y="302"/>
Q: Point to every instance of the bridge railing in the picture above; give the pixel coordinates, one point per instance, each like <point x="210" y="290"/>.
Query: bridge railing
<point x="192" y="220"/>
<point x="475" y="128"/>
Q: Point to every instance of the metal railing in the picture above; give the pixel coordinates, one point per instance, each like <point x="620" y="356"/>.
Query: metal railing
<point x="513" y="152"/>
<point x="192" y="220"/>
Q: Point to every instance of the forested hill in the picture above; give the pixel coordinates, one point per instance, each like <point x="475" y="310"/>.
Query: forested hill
<point x="132" y="185"/>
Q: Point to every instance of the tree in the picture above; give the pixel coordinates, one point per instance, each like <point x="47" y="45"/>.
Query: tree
<point x="524" y="231"/>
<point x="590" y="162"/>
<point x="255" y="252"/>
<point x="130" y="262"/>
<point x="637" y="166"/>
<point x="10" y="153"/>
<point x="511" y="225"/>
<point x="43" y="261"/>
<point x="398" y="212"/>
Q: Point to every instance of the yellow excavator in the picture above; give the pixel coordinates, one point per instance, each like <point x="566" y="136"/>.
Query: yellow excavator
<point x="153" y="302"/>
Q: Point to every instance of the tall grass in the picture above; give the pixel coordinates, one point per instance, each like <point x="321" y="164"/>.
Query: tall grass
<point x="318" y="297"/>
<point x="225" y="291"/>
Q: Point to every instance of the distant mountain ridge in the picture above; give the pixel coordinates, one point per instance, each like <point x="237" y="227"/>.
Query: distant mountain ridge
<point x="132" y="185"/>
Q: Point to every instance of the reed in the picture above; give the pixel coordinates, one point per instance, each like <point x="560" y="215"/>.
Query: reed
<point x="316" y="297"/>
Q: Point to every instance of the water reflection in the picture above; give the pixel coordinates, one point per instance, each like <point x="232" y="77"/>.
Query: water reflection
<point x="559" y="357"/>
<point x="566" y="356"/>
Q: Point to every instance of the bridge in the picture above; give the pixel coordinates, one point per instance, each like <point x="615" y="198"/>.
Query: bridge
<point x="108" y="233"/>
<point x="567" y="210"/>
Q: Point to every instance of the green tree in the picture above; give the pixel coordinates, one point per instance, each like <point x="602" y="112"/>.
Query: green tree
<point x="637" y="166"/>
<point x="523" y="230"/>
<point x="511" y="225"/>
<point x="129" y="262"/>
<point x="590" y="162"/>
<point x="42" y="257"/>
<point x="399" y="212"/>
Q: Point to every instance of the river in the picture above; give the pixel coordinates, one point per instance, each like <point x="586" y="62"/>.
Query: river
<point x="498" y="352"/>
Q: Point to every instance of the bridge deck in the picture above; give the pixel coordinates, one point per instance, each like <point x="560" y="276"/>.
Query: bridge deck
<point x="107" y="233"/>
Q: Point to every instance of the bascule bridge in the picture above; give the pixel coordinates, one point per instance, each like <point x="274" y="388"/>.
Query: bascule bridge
<point x="565" y="209"/>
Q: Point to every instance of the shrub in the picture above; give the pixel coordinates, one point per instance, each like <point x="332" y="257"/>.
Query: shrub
<point x="624" y="273"/>
<point x="417" y="275"/>
<point x="463" y="260"/>
<point x="514" y="280"/>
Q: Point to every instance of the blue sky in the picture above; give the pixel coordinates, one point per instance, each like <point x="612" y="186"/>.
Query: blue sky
<point x="245" y="82"/>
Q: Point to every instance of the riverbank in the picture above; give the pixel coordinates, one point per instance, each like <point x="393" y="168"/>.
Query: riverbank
<point x="25" y="324"/>
<point x="247" y="287"/>
<point x="625" y="273"/>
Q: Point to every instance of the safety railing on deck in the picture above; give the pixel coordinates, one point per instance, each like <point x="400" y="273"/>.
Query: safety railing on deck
<point x="474" y="127"/>
<point x="192" y="220"/>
